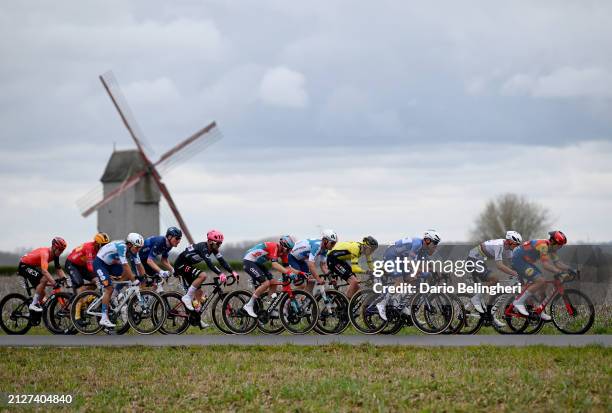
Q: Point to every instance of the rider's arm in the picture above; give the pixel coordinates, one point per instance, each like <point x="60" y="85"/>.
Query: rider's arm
<point x="166" y="264"/>
<point x="312" y="268"/>
<point x="504" y="268"/>
<point x="279" y="267"/>
<point x="224" y="263"/>
<point x="151" y="262"/>
<point x="127" y="272"/>
<point x="44" y="267"/>
<point x="210" y="264"/>
<point x="58" y="268"/>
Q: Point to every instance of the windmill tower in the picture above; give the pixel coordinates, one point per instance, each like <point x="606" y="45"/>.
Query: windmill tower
<point x="131" y="184"/>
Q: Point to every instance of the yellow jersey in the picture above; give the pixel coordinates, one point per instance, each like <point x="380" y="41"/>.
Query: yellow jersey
<point x="353" y="253"/>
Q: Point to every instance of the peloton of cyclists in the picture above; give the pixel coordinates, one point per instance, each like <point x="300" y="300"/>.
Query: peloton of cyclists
<point x="524" y="259"/>
<point x="343" y="260"/>
<point x="498" y="250"/>
<point x="34" y="266"/>
<point x="193" y="277"/>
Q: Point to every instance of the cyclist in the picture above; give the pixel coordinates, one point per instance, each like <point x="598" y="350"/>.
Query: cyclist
<point x="194" y="254"/>
<point x="34" y="266"/>
<point x="415" y="249"/>
<point x="157" y="246"/>
<point x="254" y="261"/>
<point x="115" y="259"/>
<point x="524" y="258"/>
<point x="305" y="254"/>
<point x="79" y="263"/>
<point x="498" y="250"/>
<point x="350" y="251"/>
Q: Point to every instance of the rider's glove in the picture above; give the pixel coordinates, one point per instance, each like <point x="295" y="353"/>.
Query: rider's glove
<point x="236" y="275"/>
<point x="164" y="274"/>
<point x="135" y="283"/>
<point x="222" y="277"/>
<point x="572" y="271"/>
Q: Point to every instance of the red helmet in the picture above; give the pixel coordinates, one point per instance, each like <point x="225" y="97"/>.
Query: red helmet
<point x="214" y="235"/>
<point x="558" y="237"/>
<point x="59" y="243"/>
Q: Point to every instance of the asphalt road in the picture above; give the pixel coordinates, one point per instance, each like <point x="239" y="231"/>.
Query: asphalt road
<point x="308" y="340"/>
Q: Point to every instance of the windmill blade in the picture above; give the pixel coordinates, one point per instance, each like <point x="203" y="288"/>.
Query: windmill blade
<point x="188" y="148"/>
<point x="164" y="191"/>
<point x="114" y="92"/>
<point x="127" y="184"/>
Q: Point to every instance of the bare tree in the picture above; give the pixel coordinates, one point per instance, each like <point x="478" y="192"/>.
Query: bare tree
<point x="510" y="212"/>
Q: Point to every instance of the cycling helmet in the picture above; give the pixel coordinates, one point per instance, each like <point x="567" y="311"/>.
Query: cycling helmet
<point x="514" y="236"/>
<point x="215" y="236"/>
<point x="330" y="235"/>
<point x="135" y="239"/>
<point x="101" y="238"/>
<point x="558" y="237"/>
<point x="287" y="241"/>
<point x="59" y="243"/>
<point x="432" y="235"/>
<point x="370" y="241"/>
<point x="174" y="232"/>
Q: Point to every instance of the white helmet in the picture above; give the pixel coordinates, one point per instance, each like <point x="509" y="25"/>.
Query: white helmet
<point x="514" y="237"/>
<point x="330" y="235"/>
<point x="135" y="239"/>
<point x="432" y="235"/>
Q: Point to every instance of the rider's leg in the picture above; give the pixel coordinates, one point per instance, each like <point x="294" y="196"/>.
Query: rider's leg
<point x="353" y="286"/>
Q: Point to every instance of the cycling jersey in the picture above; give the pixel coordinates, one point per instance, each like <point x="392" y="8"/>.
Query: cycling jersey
<point x="413" y="248"/>
<point x="265" y="251"/>
<point x="534" y="250"/>
<point x="309" y="249"/>
<point x="83" y="255"/>
<point x="154" y="247"/>
<point x="196" y="253"/>
<point x="491" y="249"/>
<point x="41" y="257"/>
<point x="116" y="252"/>
<point x="350" y="251"/>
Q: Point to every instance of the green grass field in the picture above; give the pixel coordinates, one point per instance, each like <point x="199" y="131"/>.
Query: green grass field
<point x="327" y="378"/>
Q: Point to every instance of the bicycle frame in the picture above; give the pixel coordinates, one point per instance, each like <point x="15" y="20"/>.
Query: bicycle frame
<point x="131" y="291"/>
<point x="559" y="289"/>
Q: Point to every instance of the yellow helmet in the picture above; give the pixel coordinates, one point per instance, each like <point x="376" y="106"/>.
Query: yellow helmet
<point x="101" y="238"/>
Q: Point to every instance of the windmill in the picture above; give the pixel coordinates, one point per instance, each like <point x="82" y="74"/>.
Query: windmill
<point x="132" y="183"/>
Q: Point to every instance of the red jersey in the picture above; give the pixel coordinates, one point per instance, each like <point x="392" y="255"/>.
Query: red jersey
<point x="40" y="257"/>
<point x="84" y="255"/>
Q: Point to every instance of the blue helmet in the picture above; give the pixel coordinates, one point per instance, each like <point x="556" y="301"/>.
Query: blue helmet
<point x="287" y="241"/>
<point x="174" y="232"/>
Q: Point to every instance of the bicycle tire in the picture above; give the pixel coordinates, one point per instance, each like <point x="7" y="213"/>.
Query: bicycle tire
<point x="177" y="315"/>
<point x="458" y="320"/>
<point x="294" y="310"/>
<point x="567" y="299"/>
<point x="272" y="325"/>
<point x="56" y="312"/>
<point x="511" y="324"/>
<point x="433" y="306"/>
<point x="11" y="316"/>
<point x="85" y="324"/>
<point x="335" y="319"/>
<point x="362" y="308"/>
<point x="473" y="320"/>
<point x="150" y="306"/>
<point x="234" y="316"/>
<point x="216" y="313"/>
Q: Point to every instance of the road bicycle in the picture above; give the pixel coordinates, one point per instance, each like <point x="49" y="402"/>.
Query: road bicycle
<point x="571" y="311"/>
<point x="333" y="306"/>
<point x="17" y="318"/>
<point x="297" y="309"/>
<point x="144" y="311"/>
<point x="179" y="318"/>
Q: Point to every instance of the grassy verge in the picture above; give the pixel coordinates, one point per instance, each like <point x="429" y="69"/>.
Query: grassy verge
<point x="327" y="378"/>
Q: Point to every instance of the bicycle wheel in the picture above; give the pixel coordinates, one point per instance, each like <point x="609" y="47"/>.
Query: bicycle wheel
<point x="216" y="313"/>
<point x="363" y="312"/>
<point x="299" y="314"/>
<point x="84" y="322"/>
<point x="333" y="313"/>
<point x="472" y="319"/>
<point x="507" y="324"/>
<point x="458" y="320"/>
<point x="267" y="323"/>
<point x="234" y="316"/>
<point x="177" y="315"/>
<point x="147" y="313"/>
<point x="15" y="314"/>
<point x="573" y="312"/>
<point x="432" y="313"/>
<point x="56" y="314"/>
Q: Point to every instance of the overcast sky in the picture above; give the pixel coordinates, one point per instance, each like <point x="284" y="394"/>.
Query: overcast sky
<point x="384" y="118"/>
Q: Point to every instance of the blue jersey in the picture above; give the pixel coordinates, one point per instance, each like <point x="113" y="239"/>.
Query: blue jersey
<point x="154" y="247"/>
<point x="308" y="249"/>
<point x="116" y="252"/>
<point x="412" y="248"/>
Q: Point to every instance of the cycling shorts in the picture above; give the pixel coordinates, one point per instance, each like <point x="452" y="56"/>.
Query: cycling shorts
<point x="105" y="272"/>
<point x="479" y="275"/>
<point x="339" y="267"/>
<point x="188" y="274"/>
<point x="297" y="264"/>
<point x="30" y="273"/>
<point x="77" y="274"/>
<point x="258" y="273"/>
<point x="527" y="272"/>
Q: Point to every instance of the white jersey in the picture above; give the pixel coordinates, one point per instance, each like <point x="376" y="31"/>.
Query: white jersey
<point x="491" y="250"/>
<point x="116" y="252"/>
